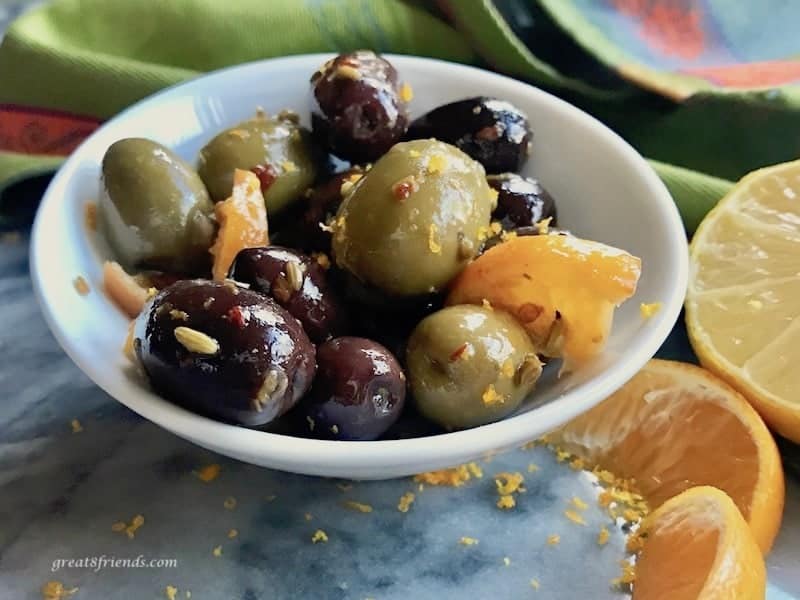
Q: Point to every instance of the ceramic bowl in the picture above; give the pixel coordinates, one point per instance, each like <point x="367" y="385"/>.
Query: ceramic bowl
<point x="605" y="191"/>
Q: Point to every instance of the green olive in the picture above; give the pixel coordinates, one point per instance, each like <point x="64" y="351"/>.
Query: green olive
<point x="470" y="365"/>
<point x="414" y="220"/>
<point x="154" y="210"/>
<point x="278" y="149"/>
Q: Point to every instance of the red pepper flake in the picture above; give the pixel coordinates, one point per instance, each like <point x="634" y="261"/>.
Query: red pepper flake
<point x="266" y="175"/>
<point x="237" y="317"/>
<point x="403" y="188"/>
<point x="459" y="352"/>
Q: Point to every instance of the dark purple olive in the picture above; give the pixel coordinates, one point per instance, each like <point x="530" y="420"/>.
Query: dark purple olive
<point x="521" y="232"/>
<point x="224" y="351"/>
<point x="358" y="394"/>
<point x="493" y="132"/>
<point x="296" y="282"/>
<point x="304" y="231"/>
<point x="358" y="111"/>
<point x="521" y="201"/>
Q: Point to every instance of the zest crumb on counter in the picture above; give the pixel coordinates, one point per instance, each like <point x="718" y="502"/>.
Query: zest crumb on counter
<point x="405" y="502"/>
<point x="233" y="533"/>
<point x="308" y="517"/>
<point x="574" y="517"/>
<point x="648" y="310"/>
<point x="76" y="426"/>
<point x="55" y="590"/>
<point x="453" y="477"/>
<point x="508" y="483"/>
<point x="217" y="551"/>
<point x="229" y="503"/>
<point x="467" y="541"/>
<point x="535" y="583"/>
<point x="553" y="539"/>
<point x="357" y="506"/>
<point x="208" y="473"/>
<point x="506" y="502"/>
<point x="90" y="216"/>
<point x="533" y="467"/>
<point x="603" y="536"/>
<point x="129" y="529"/>
<point x="628" y="574"/>
<point x="578" y="503"/>
<point x="475" y="470"/>
<point x="171" y="592"/>
<point x="576" y="464"/>
<point x="319" y="537"/>
<point x="506" y="561"/>
<point x="81" y="286"/>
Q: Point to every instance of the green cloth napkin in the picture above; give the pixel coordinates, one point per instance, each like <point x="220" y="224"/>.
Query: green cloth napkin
<point x="92" y="58"/>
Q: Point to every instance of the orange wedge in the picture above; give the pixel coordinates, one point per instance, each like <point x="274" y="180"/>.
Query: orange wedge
<point x="242" y="222"/>
<point x="698" y="547"/>
<point x="675" y="426"/>
<point x="562" y="289"/>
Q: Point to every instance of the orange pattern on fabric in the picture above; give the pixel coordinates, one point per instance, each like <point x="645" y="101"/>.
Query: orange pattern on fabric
<point x="748" y="75"/>
<point x="30" y="130"/>
<point x="673" y="28"/>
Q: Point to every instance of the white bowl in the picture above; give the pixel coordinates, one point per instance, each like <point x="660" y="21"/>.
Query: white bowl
<point x="605" y="191"/>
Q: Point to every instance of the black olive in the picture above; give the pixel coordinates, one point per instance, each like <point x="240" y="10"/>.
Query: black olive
<point x="521" y="201"/>
<point x="358" y="112"/>
<point x="296" y="282"/>
<point x="493" y="132"/>
<point x="224" y="351"/>
<point x="358" y="393"/>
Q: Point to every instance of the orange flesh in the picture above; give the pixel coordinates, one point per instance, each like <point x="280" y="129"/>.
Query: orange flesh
<point x="675" y="563"/>
<point x="675" y="426"/>
<point x="534" y="277"/>
<point x="242" y="222"/>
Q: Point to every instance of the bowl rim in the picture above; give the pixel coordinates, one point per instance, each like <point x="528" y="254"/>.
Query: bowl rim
<point x="315" y="456"/>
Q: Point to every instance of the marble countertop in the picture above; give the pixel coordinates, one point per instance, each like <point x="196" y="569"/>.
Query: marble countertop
<point x="248" y="533"/>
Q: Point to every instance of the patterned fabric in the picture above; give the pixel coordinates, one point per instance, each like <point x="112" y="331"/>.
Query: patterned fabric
<point x="701" y="44"/>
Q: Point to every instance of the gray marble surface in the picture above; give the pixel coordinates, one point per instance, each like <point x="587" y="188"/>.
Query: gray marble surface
<point x="61" y="492"/>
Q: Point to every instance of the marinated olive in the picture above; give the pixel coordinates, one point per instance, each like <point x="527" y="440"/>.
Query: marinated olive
<point x="154" y="210"/>
<point x="521" y="201"/>
<point x="470" y="365"/>
<point x="493" y="132"/>
<point x="358" y="393"/>
<point x="306" y="229"/>
<point x="358" y="113"/>
<point x="413" y="221"/>
<point x="276" y="149"/>
<point x="224" y="351"/>
<point x="296" y="282"/>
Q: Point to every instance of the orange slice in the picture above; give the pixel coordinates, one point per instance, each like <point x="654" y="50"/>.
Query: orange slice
<point x="562" y="289"/>
<point x="743" y="301"/>
<point x="698" y="547"/>
<point x="675" y="426"/>
<point x="242" y="222"/>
